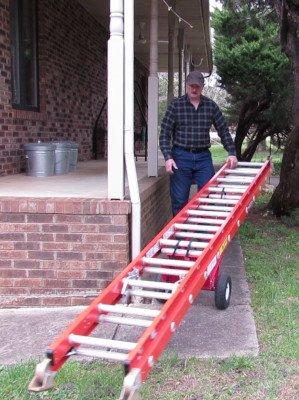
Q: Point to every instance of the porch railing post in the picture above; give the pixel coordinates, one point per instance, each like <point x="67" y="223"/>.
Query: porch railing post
<point x="181" y="45"/>
<point x="153" y="87"/>
<point x="171" y="47"/>
<point x="116" y="101"/>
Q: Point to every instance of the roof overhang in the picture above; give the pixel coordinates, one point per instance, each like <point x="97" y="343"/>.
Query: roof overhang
<point x="197" y="39"/>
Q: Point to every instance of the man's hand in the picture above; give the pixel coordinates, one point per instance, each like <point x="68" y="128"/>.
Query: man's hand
<point x="232" y="162"/>
<point x="170" y="165"/>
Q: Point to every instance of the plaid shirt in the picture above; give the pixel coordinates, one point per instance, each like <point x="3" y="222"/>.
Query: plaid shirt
<point x="187" y="127"/>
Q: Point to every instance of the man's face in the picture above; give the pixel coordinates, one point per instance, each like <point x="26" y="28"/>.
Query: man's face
<point x="194" y="92"/>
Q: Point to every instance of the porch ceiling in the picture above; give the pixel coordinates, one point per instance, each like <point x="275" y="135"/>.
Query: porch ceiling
<point x="196" y="12"/>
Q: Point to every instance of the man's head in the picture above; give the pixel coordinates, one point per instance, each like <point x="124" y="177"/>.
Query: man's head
<point x="194" y="85"/>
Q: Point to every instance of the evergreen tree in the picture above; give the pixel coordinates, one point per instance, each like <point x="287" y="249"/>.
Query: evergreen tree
<point x="254" y="72"/>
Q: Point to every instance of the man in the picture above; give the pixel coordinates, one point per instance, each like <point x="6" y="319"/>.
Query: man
<point x="185" y="140"/>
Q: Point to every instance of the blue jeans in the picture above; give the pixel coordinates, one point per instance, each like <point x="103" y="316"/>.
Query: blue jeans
<point x="192" y="167"/>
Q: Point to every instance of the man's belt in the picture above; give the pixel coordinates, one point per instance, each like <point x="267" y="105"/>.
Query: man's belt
<point x="192" y="149"/>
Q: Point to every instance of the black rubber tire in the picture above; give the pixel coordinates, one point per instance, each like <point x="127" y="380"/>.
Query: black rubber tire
<point x="223" y="291"/>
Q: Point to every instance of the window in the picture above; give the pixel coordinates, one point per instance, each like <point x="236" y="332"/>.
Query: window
<point x="24" y="75"/>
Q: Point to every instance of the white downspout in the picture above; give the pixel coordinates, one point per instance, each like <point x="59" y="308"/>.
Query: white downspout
<point x="129" y="127"/>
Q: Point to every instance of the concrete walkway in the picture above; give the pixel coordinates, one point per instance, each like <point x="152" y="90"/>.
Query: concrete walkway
<point x="205" y="332"/>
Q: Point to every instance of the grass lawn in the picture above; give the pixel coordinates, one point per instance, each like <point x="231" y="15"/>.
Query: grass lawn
<point x="219" y="155"/>
<point x="271" y="258"/>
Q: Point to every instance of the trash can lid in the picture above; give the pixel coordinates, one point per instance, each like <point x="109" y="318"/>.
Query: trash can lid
<point x="46" y="146"/>
<point x="62" y="144"/>
<point x="72" y="144"/>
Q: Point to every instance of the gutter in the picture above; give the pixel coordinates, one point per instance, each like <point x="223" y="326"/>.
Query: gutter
<point x="129" y="127"/>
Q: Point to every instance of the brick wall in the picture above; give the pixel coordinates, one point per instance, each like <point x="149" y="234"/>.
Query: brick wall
<point x="65" y="251"/>
<point x="60" y="251"/>
<point x="155" y="207"/>
<point x="73" y="82"/>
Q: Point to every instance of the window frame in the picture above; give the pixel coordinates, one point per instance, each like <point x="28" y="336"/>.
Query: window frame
<point x="17" y="59"/>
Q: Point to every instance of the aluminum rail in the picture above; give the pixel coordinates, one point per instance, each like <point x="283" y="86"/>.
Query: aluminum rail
<point x="193" y="260"/>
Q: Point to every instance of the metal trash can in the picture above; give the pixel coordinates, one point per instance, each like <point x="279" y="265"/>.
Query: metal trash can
<point x="39" y="159"/>
<point x="62" y="157"/>
<point x="73" y="155"/>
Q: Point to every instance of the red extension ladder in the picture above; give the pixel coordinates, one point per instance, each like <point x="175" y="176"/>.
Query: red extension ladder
<point x="187" y="254"/>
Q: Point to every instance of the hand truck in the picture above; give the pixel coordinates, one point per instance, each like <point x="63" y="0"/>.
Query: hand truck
<point x="187" y="253"/>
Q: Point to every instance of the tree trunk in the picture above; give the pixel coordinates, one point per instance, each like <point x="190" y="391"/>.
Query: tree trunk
<point x="286" y="196"/>
<point x="262" y="146"/>
<point x="248" y="116"/>
<point x="251" y="148"/>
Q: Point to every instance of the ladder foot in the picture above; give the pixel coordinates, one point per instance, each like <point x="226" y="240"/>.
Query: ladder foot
<point x="43" y="378"/>
<point x="132" y="383"/>
<point x="129" y="395"/>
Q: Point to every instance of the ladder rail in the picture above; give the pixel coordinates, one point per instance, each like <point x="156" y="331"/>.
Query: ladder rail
<point x="175" y="308"/>
<point x="84" y="324"/>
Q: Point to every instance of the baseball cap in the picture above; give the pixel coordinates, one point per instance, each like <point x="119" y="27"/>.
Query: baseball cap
<point x="195" y="78"/>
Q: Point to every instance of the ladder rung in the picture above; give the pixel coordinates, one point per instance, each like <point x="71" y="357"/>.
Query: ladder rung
<point x="106" y="355"/>
<point x="217" y="201"/>
<point x="227" y="189"/>
<point x="193" y="227"/>
<point x="233" y="179"/>
<point x="211" y="221"/>
<point x="232" y="188"/>
<point x="180" y="252"/>
<point x="93" y="341"/>
<point x="194" y="235"/>
<point x="250" y="164"/>
<point x="242" y="171"/>
<point x="209" y="213"/>
<point x="183" y="243"/>
<point x="148" y="284"/>
<point x="215" y="208"/>
<point x="124" y="320"/>
<point x="122" y="309"/>
<point x="226" y="196"/>
<point x="240" y="178"/>
<point x="165" y="271"/>
<point x="167" y="262"/>
<point x="150" y="294"/>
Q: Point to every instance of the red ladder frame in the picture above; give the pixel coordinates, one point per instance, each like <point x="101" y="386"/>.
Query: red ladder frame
<point x="203" y="275"/>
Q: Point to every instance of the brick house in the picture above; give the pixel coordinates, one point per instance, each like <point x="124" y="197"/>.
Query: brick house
<point x="60" y="245"/>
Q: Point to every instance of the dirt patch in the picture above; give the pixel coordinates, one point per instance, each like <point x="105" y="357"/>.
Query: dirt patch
<point x="291" y="389"/>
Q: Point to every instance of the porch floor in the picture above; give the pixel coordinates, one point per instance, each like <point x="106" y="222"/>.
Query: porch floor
<point x="88" y="181"/>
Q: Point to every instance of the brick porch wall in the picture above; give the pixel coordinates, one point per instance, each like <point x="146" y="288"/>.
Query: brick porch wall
<point x="60" y="251"/>
<point x="65" y="251"/>
<point x="155" y="208"/>
<point x="72" y="59"/>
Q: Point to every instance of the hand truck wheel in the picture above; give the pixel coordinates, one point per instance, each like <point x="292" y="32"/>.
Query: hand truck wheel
<point x="223" y="291"/>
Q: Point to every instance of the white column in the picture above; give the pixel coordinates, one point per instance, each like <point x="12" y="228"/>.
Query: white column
<point x="171" y="46"/>
<point x="129" y="128"/>
<point x="116" y="101"/>
<point x="153" y="95"/>
<point x="187" y="63"/>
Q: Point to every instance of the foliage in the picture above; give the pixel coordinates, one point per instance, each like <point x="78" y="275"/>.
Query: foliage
<point x="254" y="72"/>
<point x="219" y="156"/>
